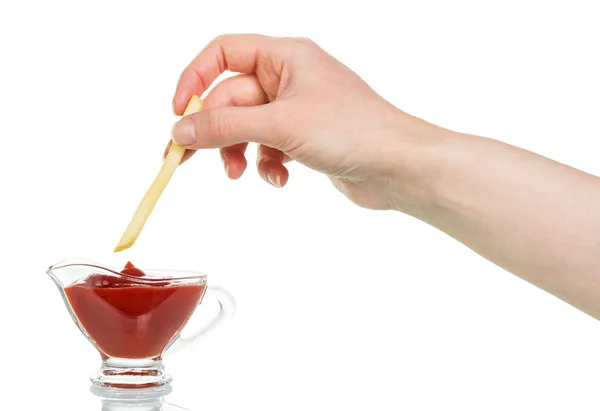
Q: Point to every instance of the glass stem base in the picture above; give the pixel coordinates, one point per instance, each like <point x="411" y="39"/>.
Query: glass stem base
<point x="128" y="373"/>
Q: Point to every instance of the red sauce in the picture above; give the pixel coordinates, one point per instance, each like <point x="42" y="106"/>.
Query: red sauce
<point x="132" y="317"/>
<point x="131" y="270"/>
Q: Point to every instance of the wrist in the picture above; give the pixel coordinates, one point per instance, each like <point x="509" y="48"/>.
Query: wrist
<point x="420" y="150"/>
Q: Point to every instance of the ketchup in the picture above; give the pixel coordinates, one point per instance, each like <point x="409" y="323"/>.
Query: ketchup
<point x="132" y="271"/>
<point x="132" y="316"/>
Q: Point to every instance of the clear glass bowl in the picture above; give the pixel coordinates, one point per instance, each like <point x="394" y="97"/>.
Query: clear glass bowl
<point x="133" y="320"/>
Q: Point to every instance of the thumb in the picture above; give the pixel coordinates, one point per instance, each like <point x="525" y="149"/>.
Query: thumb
<point x="225" y="126"/>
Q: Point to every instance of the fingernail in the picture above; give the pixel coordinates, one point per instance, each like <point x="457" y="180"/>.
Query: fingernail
<point x="183" y="132"/>
<point x="274" y="179"/>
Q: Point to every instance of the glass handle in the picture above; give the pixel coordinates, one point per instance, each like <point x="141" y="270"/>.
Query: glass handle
<point x="226" y="313"/>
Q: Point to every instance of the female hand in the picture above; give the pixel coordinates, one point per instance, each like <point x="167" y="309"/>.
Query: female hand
<point x="298" y="103"/>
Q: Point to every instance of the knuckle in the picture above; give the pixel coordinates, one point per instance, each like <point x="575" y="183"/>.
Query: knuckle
<point x="218" y="123"/>
<point x="220" y="37"/>
<point x="305" y="41"/>
<point x="213" y="123"/>
<point x="301" y="42"/>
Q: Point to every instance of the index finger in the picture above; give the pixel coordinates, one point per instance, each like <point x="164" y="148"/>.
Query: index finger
<point x="234" y="52"/>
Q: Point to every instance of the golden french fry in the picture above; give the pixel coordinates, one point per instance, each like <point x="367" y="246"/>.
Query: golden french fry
<point x="158" y="185"/>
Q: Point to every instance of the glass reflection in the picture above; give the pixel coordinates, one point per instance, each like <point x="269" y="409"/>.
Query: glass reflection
<point x="146" y="399"/>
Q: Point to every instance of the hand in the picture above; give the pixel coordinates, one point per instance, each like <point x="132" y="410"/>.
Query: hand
<point x="298" y="103"/>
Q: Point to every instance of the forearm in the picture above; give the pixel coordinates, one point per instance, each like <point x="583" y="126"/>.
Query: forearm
<point x="536" y="218"/>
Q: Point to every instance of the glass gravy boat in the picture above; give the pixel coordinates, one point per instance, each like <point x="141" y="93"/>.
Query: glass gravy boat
<point x="133" y="319"/>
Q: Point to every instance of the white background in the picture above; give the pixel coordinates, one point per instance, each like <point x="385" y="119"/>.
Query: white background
<point x="338" y="307"/>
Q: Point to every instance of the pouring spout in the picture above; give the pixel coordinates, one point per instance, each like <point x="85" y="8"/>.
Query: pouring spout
<point x="72" y="270"/>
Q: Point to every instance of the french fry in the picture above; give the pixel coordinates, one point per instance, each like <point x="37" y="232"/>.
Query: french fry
<point x="158" y="186"/>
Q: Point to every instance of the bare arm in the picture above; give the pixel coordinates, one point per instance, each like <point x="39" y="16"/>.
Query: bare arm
<point x="534" y="217"/>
